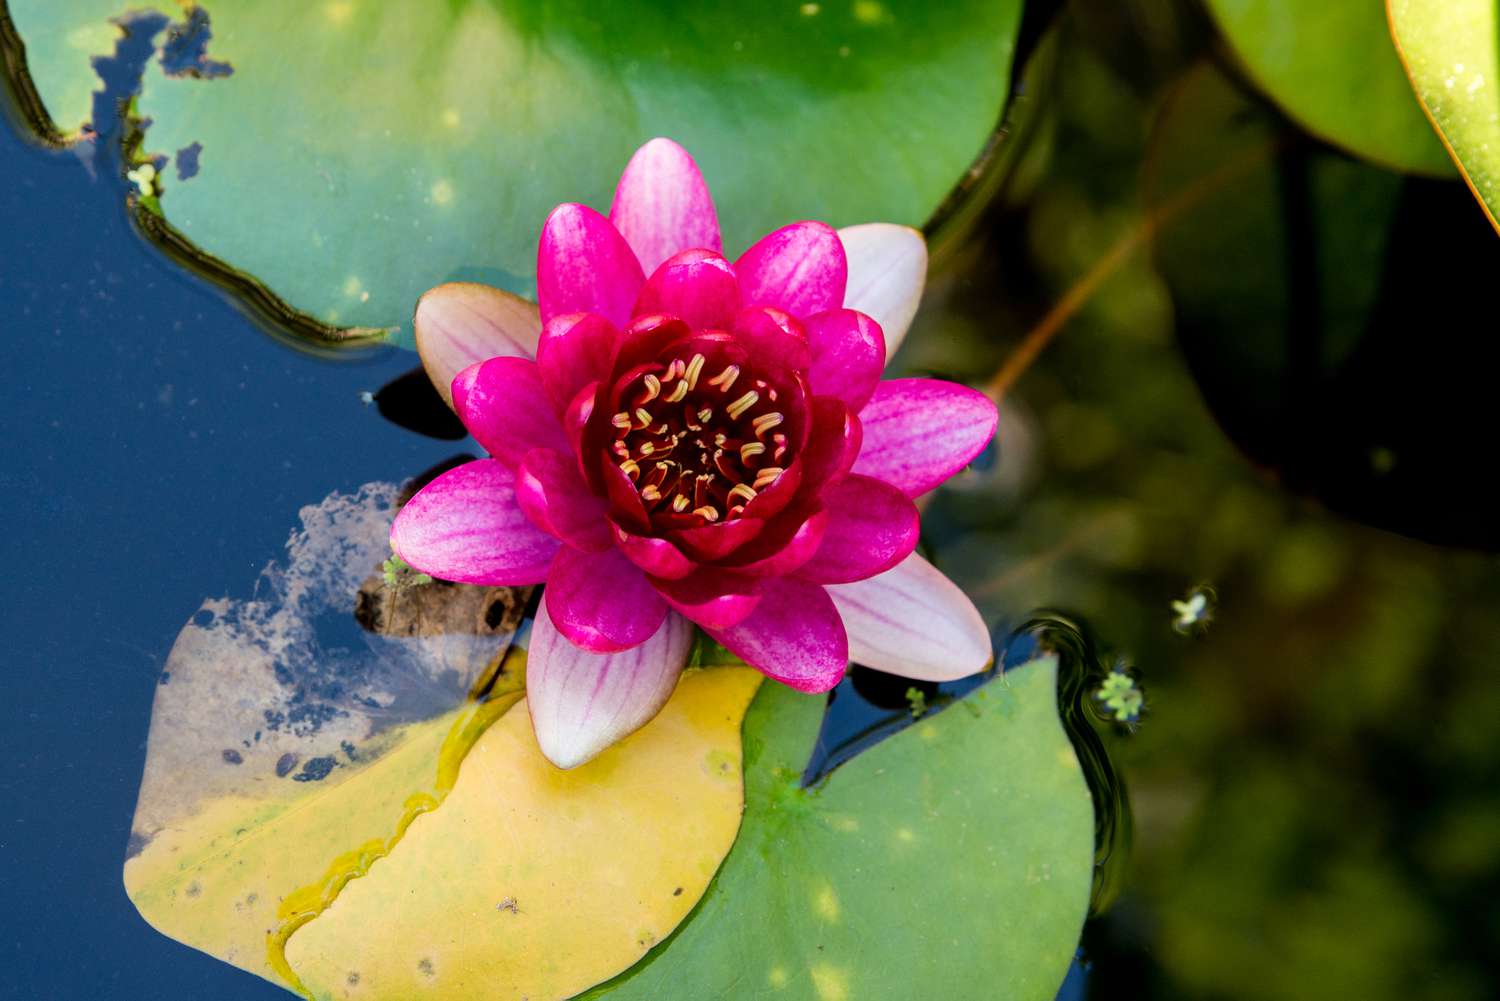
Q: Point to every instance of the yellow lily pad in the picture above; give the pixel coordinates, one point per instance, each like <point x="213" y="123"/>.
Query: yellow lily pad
<point x="532" y="882"/>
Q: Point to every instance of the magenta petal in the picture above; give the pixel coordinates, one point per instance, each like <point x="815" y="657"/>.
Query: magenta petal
<point x="462" y="323"/>
<point x="696" y="286"/>
<point x="584" y="266"/>
<point x="602" y="601"/>
<point x="551" y="491"/>
<point x="786" y="544"/>
<point x="919" y="432"/>
<point x="872" y="526"/>
<point x="582" y="702"/>
<point x="712" y="597"/>
<point x="505" y="407"/>
<point x="799" y="268"/>
<point x="794" y="635"/>
<point x="772" y="335"/>
<point x="834" y="443"/>
<point x="662" y="205"/>
<point x="716" y="541"/>
<point x="574" y="351"/>
<point x="467" y="526"/>
<point x="848" y="355"/>
<point x="915" y="622"/>
<point x="657" y="557"/>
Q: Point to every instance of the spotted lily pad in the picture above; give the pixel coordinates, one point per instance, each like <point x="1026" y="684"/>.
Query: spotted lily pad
<point x="351" y="154"/>
<point x="1331" y="66"/>
<point x="953" y="860"/>
<point x="301" y="741"/>
<point x="1451" y="49"/>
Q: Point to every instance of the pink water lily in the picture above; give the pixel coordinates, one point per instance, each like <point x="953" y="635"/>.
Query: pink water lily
<point x="676" y="438"/>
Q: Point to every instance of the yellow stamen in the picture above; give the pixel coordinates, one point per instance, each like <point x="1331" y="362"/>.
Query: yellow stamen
<point x="678" y="393"/>
<point x="643" y="416"/>
<point x="765" y="422"/>
<point x="680" y="503"/>
<point x="726" y="378"/>
<point x="744" y="403"/>
<point x="766" y="477"/>
<point x="630" y="468"/>
<point x="744" y="491"/>
<point x="694" y="369"/>
<point x="650" y="494"/>
<point x="707" y="512"/>
<point x="621" y="420"/>
<point x="750" y="450"/>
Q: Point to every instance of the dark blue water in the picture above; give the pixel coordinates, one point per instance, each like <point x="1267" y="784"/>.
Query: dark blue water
<point x="157" y="449"/>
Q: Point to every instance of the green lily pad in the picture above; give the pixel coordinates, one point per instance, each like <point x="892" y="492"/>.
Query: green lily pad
<point x="953" y="860"/>
<point x="1451" y="49"/>
<point x="353" y="153"/>
<point x="1330" y="65"/>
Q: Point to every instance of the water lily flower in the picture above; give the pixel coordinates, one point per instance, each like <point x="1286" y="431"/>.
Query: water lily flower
<point x="679" y="439"/>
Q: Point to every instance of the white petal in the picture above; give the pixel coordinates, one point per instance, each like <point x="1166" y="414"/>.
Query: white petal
<point x="887" y="270"/>
<point x="461" y="323"/>
<point x="583" y="702"/>
<point x="915" y="622"/>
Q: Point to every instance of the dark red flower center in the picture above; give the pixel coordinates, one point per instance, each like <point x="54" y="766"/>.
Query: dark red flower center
<point x="699" y="439"/>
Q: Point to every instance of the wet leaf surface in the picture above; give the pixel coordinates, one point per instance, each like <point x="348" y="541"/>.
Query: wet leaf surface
<point x="393" y="146"/>
<point x="952" y="860"/>
<point x="1331" y="67"/>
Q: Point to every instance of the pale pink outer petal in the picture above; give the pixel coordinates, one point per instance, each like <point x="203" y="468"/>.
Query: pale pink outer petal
<point x="799" y="269"/>
<point x="696" y="286"/>
<point x="462" y="323"/>
<point x="872" y="526"/>
<point x="551" y="491"/>
<point x="915" y="622"/>
<point x="574" y="351"/>
<point x="848" y="355"/>
<point x="887" y="271"/>
<point x="662" y="205"/>
<point x="584" y="266"/>
<point x="919" y="432"/>
<point x="602" y="601"/>
<point x="794" y="636"/>
<point x="582" y="702"/>
<point x="506" y="408"/>
<point x="467" y="526"/>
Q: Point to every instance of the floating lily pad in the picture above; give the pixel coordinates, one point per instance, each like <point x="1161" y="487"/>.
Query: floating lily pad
<point x="1451" y="49"/>
<point x="1331" y="66"/>
<point x="952" y="860"/>
<point x="298" y="739"/>
<point x="352" y="154"/>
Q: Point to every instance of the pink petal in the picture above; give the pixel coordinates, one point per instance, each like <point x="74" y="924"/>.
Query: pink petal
<point x="770" y="334"/>
<point x="582" y="702"/>
<point x="466" y="526"/>
<point x="788" y="541"/>
<point x="794" y="635"/>
<point x="915" y="622"/>
<point x="712" y="597"/>
<point x="505" y="407"/>
<point x="551" y="491"/>
<point x="662" y="205"/>
<point x="848" y="355"/>
<point x="462" y="323"/>
<point x="872" y="526"/>
<point x="716" y="541"/>
<point x="887" y="269"/>
<point x="834" y="443"/>
<point x="657" y="557"/>
<point x="602" y="601"/>
<point x="919" y="432"/>
<point x="584" y="266"/>
<point x="697" y="286"/>
<point x="799" y="268"/>
<point x="574" y="351"/>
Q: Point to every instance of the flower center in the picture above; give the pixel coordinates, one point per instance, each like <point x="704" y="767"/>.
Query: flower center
<point x="698" y="445"/>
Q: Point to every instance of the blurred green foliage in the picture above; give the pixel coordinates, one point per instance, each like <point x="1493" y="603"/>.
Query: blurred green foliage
<point x="1315" y="810"/>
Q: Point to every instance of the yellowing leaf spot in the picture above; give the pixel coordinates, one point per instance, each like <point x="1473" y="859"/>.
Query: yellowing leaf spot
<point x="831" y="983"/>
<point x="450" y="118"/>
<point x="826" y="903"/>
<point x="777" y="978"/>
<point x="905" y="835"/>
<point x="1067" y="759"/>
<point x="340" y="12"/>
<point x="442" y="193"/>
